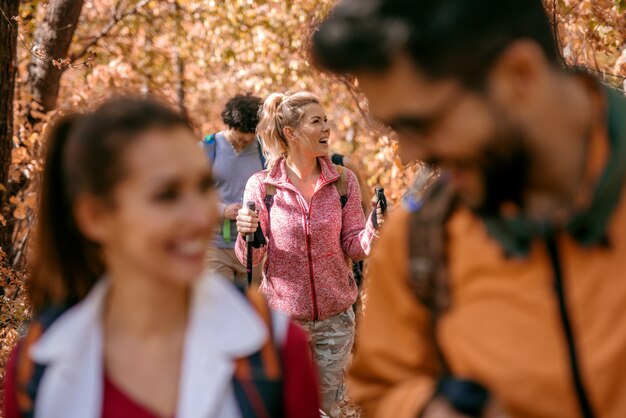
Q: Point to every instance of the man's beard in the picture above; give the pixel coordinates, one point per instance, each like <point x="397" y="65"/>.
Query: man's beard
<point x="504" y="167"/>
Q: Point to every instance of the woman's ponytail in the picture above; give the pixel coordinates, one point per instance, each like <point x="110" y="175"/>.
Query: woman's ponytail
<point x="64" y="268"/>
<point x="269" y="129"/>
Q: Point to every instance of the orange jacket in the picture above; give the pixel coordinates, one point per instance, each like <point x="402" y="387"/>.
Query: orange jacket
<point x="504" y="328"/>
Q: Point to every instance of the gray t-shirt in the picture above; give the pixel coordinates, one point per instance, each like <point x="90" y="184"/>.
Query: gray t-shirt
<point x="231" y="172"/>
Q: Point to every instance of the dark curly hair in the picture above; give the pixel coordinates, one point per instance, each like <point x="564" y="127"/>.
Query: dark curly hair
<point x="446" y="38"/>
<point x="242" y="113"/>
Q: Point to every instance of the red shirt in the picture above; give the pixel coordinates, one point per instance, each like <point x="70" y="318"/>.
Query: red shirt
<point x="300" y="391"/>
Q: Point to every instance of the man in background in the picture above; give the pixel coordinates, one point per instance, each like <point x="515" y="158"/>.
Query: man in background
<point x="235" y="155"/>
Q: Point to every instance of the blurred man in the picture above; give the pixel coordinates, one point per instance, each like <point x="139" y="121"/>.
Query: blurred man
<point x="503" y="291"/>
<point x="235" y="155"/>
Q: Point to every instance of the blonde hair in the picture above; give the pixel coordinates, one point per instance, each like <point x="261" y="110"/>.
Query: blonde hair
<point x="279" y="111"/>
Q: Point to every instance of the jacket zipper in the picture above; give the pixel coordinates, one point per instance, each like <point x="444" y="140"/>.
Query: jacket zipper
<point x="583" y="398"/>
<point x="307" y="232"/>
<point x="307" y="238"/>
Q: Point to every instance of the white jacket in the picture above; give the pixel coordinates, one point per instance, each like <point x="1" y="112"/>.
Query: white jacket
<point x="222" y="327"/>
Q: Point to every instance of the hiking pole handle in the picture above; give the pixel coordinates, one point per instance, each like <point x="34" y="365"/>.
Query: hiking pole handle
<point x="252" y="207"/>
<point x="249" y="240"/>
<point x="381" y="201"/>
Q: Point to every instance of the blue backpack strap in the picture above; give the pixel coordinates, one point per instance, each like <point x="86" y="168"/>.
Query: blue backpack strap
<point x="209" y="144"/>
<point x="28" y="373"/>
<point x="258" y="378"/>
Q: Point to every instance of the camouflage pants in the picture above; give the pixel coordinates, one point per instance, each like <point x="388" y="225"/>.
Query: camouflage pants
<point x="331" y="342"/>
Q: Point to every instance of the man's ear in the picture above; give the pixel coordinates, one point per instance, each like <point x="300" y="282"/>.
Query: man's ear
<point x="517" y="76"/>
<point x="92" y="218"/>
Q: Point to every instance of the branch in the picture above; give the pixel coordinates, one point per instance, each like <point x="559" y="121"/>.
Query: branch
<point x="557" y="37"/>
<point x="606" y="73"/>
<point x="31" y="49"/>
<point x="356" y="99"/>
<point x="117" y="18"/>
<point x="572" y="7"/>
<point x="179" y="62"/>
<point x="36" y="53"/>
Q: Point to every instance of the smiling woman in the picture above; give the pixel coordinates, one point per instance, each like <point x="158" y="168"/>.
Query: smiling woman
<point x="127" y="213"/>
<point x="316" y="227"/>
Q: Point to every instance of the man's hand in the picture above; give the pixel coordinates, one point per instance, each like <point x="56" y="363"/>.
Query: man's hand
<point x="230" y="211"/>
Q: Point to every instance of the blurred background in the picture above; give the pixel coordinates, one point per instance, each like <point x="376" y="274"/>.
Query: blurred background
<point x="58" y="55"/>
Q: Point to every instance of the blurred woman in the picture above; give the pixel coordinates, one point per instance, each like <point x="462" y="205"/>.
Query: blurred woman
<point x="126" y="322"/>
<point x="310" y="211"/>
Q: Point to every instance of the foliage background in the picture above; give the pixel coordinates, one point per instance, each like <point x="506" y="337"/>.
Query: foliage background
<point x="197" y="54"/>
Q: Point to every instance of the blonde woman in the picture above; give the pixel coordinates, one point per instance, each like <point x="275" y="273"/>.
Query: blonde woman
<point x="313" y="229"/>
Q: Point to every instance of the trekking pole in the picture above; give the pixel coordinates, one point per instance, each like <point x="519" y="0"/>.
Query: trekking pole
<point x="382" y="201"/>
<point x="249" y="240"/>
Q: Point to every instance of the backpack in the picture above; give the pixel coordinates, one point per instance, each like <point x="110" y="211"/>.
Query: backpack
<point x="209" y="144"/>
<point x="341" y="185"/>
<point x="257" y="381"/>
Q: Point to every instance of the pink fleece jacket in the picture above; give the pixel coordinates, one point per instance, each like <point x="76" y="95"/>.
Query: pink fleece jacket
<point x="308" y="272"/>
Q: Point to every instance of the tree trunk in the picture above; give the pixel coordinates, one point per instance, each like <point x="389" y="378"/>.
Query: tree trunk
<point x="52" y="40"/>
<point x="179" y="63"/>
<point x="8" y="69"/>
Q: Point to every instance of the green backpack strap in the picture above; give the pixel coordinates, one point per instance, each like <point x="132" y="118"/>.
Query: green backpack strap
<point x="342" y="185"/>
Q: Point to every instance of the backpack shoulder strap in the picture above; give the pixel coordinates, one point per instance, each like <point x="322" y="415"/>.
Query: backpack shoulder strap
<point x="269" y="351"/>
<point x="427" y="252"/>
<point x="28" y="373"/>
<point x="209" y="144"/>
<point x="258" y="377"/>
<point x="427" y="244"/>
<point x="342" y="185"/>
